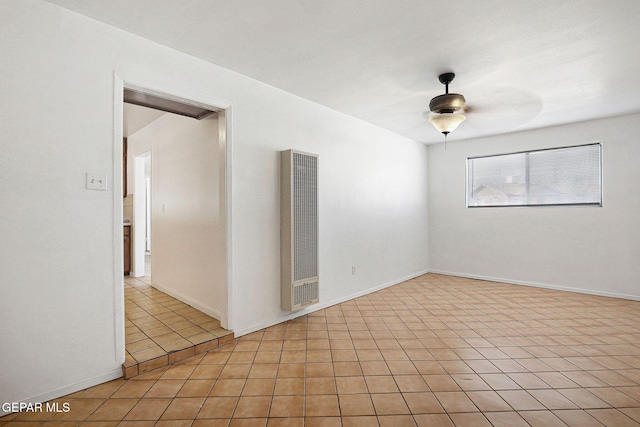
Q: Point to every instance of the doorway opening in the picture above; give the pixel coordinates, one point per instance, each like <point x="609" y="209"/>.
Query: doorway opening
<point x="175" y="204"/>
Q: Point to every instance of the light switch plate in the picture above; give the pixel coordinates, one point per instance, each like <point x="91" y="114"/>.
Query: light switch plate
<point x="96" y="181"/>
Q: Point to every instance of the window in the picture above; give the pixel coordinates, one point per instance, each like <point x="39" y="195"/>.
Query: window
<point x="567" y="176"/>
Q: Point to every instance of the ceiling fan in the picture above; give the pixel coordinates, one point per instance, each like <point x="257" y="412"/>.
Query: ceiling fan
<point x="446" y="107"/>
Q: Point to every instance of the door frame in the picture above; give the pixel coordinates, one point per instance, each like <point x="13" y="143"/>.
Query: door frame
<point x="225" y="189"/>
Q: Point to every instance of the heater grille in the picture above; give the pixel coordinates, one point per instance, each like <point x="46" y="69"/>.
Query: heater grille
<point x="305" y="293"/>
<point x="305" y="216"/>
<point x="299" y="229"/>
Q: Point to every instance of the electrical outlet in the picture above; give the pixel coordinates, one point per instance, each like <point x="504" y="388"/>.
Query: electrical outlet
<point x="96" y="181"/>
<point x="353" y="269"/>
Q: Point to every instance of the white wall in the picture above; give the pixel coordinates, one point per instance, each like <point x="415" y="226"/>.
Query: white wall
<point x="61" y="308"/>
<point x="372" y="209"/>
<point x="188" y="235"/>
<point x="594" y="250"/>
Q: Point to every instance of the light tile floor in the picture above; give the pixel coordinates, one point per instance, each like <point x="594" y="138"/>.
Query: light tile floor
<point x="157" y="325"/>
<point x="432" y="351"/>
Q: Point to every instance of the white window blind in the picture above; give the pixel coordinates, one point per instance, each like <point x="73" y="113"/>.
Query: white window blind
<point x="553" y="177"/>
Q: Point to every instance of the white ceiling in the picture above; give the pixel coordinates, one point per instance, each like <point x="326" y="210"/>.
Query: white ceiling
<point x="519" y="64"/>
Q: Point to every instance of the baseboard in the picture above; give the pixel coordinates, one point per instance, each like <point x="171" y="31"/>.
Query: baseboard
<point x="322" y="305"/>
<point x="115" y="374"/>
<point x="185" y="299"/>
<point x="539" y="285"/>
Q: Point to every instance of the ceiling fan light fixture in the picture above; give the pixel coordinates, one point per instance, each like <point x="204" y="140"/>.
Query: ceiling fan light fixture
<point x="446" y="122"/>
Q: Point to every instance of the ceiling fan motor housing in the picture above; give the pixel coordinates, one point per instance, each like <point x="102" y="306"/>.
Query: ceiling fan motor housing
<point x="447" y="103"/>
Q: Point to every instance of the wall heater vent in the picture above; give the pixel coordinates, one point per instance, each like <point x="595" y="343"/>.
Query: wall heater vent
<point x="299" y="230"/>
